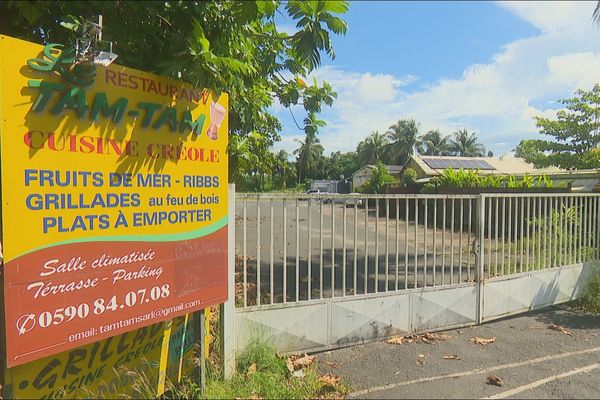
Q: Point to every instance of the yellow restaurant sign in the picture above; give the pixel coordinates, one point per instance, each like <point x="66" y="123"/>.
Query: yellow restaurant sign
<point x="114" y="199"/>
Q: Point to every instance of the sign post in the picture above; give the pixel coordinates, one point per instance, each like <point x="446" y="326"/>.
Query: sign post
<point x="200" y="334"/>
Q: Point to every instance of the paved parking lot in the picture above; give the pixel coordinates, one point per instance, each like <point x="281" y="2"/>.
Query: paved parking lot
<point x="532" y="360"/>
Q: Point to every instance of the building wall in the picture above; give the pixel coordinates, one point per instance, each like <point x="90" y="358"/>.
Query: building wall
<point x="361" y="177"/>
<point x="411" y="163"/>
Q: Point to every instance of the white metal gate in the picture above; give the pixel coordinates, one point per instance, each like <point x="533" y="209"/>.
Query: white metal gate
<point x="324" y="271"/>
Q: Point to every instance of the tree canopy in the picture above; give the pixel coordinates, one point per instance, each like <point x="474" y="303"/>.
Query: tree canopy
<point x="466" y="144"/>
<point x="571" y="140"/>
<point x="433" y="144"/>
<point x="402" y="137"/>
<point x="230" y="46"/>
<point x="371" y="150"/>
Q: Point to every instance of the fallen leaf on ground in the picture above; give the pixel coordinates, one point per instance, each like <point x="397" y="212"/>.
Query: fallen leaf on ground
<point x="329" y="379"/>
<point x="450" y="357"/>
<point x="396" y="340"/>
<point x="290" y="365"/>
<point x="330" y="363"/>
<point x="251" y="369"/>
<point x="494" y="380"/>
<point x="433" y="337"/>
<point x="483" y="341"/>
<point x="560" y="329"/>
<point x="421" y="356"/>
<point x="425" y="338"/>
<point x="302" y="361"/>
<point x="420" y="362"/>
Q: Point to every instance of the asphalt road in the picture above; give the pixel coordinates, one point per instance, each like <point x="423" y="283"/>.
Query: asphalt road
<point x="532" y="360"/>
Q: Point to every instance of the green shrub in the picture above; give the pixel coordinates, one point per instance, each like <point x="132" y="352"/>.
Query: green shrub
<point x="459" y="178"/>
<point x="491" y="181"/>
<point x="409" y="177"/>
<point x="379" y="179"/>
<point x="428" y="188"/>
<point x="270" y="379"/>
<point x="590" y="301"/>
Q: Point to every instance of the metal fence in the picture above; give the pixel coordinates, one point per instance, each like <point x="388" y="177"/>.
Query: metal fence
<point x="298" y="248"/>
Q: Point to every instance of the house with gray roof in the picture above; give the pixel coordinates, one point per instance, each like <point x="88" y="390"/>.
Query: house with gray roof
<point x="429" y="167"/>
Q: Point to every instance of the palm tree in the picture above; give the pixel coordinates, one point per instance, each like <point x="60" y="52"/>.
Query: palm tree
<point x="433" y="144"/>
<point x="308" y="155"/>
<point x="466" y="144"/>
<point x="403" y="139"/>
<point x="372" y="149"/>
<point x="283" y="170"/>
<point x="241" y="159"/>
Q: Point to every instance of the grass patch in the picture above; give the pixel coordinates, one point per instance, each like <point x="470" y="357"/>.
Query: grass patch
<point x="261" y="374"/>
<point x="590" y="302"/>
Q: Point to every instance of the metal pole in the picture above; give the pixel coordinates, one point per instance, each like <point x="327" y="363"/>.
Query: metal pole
<point x="100" y="23"/>
<point x="460" y="241"/>
<point x="444" y="241"/>
<point x="521" y="218"/>
<point x="227" y="310"/>
<point x="332" y="249"/>
<point x="528" y="230"/>
<point x="387" y="242"/>
<point x="503" y="232"/>
<point x="479" y="245"/>
<point x="344" y="252"/>
<point x="434" y="239"/>
<point x="416" y="242"/>
<point x="200" y="334"/>
<point x="297" y="271"/>
<point x="284" y="227"/>
<point x="509" y="233"/>
<point x="245" y="255"/>
<point x="425" y="243"/>
<point x="397" y="241"/>
<point x="496" y="236"/>
<point x="355" y="263"/>
<point x="489" y="223"/>
<point x="406" y="243"/>
<point x="271" y="257"/>
<point x="258" y="245"/>
<point x="543" y="260"/>
<point x="366" y="276"/>
<point x="470" y="232"/>
<point x="452" y="241"/>
<point x="309" y="247"/>
<point x="480" y="254"/>
<point x="321" y="249"/>
<point x="376" y="245"/>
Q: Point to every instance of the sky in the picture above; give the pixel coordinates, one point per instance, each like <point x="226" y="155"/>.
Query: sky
<point x="489" y="67"/>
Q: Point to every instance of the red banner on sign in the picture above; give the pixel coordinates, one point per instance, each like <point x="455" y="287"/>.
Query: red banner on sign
<point x="72" y="295"/>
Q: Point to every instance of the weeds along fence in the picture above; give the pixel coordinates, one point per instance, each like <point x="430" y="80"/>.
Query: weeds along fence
<point x="298" y="248"/>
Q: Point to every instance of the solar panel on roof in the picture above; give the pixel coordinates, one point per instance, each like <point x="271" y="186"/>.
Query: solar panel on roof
<point x="440" y="163"/>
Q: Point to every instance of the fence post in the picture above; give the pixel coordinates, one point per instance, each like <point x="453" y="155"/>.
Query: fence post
<point x="480" y="254"/>
<point x="227" y="310"/>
